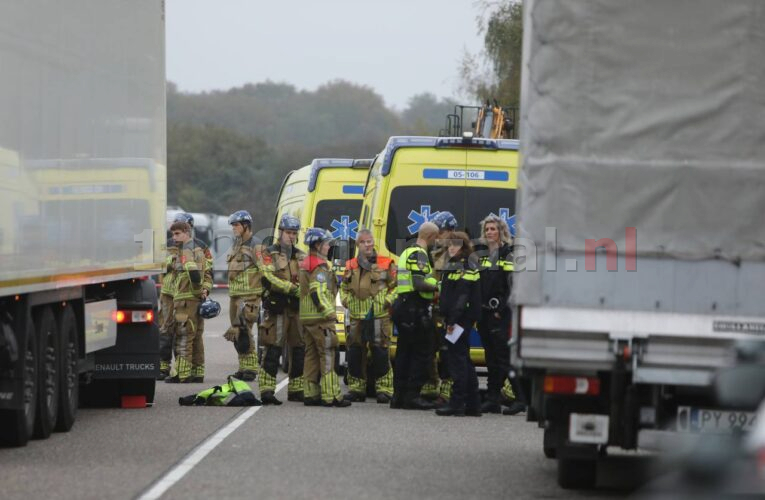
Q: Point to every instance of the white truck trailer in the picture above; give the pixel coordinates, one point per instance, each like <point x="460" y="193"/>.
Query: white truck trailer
<point x="642" y="236"/>
<point x="82" y="207"/>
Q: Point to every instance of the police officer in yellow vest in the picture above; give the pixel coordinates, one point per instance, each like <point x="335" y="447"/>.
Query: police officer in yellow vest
<point x="281" y="303"/>
<point x="411" y="315"/>
<point x="438" y="388"/>
<point x="368" y="291"/>
<point x="192" y="286"/>
<point x="244" y="289"/>
<point x="318" y="289"/>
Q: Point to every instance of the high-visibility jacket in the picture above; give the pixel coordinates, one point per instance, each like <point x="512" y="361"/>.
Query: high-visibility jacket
<point x="281" y="268"/>
<point x="414" y="260"/>
<point x="244" y="270"/>
<point x="318" y="289"/>
<point x="496" y="270"/>
<point x="368" y="288"/>
<point x="168" y="277"/>
<point x="460" y="298"/>
<point x="191" y="270"/>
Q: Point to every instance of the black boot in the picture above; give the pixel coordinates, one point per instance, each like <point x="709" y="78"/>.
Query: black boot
<point x="312" y="401"/>
<point x="384" y="399"/>
<point x="491" y="406"/>
<point x="269" y="398"/>
<point x="355" y="397"/>
<point x="295" y="396"/>
<point x="418" y="403"/>
<point x="450" y="411"/>
<point x="163" y="374"/>
<point x="395" y="402"/>
<point x="514" y="408"/>
<point x="338" y="403"/>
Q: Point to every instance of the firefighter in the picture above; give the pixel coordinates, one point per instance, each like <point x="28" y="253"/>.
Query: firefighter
<point x="281" y="304"/>
<point x="245" y="290"/>
<point x="496" y="267"/>
<point x="439" y="385"/>
<point x="411" y="315"/>
<point x="191" y="287"/>
<point x="167" y="316"/>
<point x="318" y="289"/>
<point x="460" y="304"/>
<point x="368" y="291"/>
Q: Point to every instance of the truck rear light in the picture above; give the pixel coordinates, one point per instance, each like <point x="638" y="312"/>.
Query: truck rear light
<point x="121" y="316"/>
<point x="565" y="384"/>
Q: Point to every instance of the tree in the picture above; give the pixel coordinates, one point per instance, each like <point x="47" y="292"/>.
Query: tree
<point x="502" y="26"/>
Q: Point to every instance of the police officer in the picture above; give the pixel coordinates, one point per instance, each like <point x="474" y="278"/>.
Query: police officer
<point x="460" y="304"/>
<point x="281" y="327"/>
<point x="192" y="285"/>
<point x="245" y="290"/>
<point x="496" y="267"/>
<point x="411" y="315"/>
<point x="318" y="289"/>
<point x="439" y="385"/>
<point x="368" y="291"/>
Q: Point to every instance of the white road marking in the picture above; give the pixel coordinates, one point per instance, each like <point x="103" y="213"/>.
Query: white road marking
<point x="200" y="452"/>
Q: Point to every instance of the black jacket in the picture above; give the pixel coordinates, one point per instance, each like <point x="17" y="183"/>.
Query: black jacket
<point x="460" y="299"/>
<point x="496" y="276"/>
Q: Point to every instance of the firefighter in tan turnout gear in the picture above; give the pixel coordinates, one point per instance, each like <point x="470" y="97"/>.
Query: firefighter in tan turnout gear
<point x="245" y="290"/>
<point x="167" y="315"/>
<point x="192" y="285"/>
<point x="318" y="289"/>
<point x="368" y="291"/>
<point x="280" y="263"/>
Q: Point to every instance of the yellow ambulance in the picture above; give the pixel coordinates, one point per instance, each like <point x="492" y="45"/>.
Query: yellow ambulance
<point x="414" y="178"/>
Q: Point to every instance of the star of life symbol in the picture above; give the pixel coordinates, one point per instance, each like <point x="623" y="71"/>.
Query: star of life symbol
<point x="420" y="218"/>
<point x="504" y="213"/>
<point x="345" y="228"/>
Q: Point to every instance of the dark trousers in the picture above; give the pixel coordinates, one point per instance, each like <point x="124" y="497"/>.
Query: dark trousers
<point x="414" y="347"/>
<point x="494" y="337"/>
<point x="465" y="388"/>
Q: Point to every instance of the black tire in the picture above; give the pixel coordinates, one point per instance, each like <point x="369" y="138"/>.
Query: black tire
<point x="47" y="375"/>
<point x="577" y="473"/>
<point x="17" y="426"/>
<point x="69" y="387"/>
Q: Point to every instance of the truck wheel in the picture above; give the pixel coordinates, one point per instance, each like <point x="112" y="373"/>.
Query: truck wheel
<point x="69" y="386"/>
<point x="17" y="426"/>
<point x="577" y="473"/>
<point x="47" y="375"/>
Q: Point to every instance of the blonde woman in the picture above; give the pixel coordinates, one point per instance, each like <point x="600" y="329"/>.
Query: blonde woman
<point x="496" y="267"/>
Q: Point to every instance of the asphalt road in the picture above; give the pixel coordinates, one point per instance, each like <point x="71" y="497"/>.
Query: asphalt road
<point x="291" y="451"/>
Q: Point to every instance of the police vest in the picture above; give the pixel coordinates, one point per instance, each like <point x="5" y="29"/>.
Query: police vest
<point x="409" y="263"/>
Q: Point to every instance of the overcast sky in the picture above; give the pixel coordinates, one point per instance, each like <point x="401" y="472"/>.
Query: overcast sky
<point x="398" y="47"/>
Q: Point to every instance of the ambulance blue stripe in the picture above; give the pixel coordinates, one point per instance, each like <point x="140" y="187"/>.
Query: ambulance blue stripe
<point x="443" y="173"/>
<point x="351" y="189"/>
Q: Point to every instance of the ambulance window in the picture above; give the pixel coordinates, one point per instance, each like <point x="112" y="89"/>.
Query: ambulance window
<point x="410" y="206"/>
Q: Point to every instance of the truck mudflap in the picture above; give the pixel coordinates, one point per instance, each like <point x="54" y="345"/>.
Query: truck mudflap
<point x="135" y="355"/>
